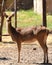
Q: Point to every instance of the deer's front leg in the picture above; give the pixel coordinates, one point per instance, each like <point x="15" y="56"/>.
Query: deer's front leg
<point x="19" y="49"/>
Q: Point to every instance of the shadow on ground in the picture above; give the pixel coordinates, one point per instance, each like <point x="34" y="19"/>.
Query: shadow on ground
<point x="4" y="58"/>
<point x="45" y="64"/>
<point x="10" y="42"/>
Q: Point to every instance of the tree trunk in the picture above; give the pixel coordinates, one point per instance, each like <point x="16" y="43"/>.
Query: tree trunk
<point x="44" y="13"/>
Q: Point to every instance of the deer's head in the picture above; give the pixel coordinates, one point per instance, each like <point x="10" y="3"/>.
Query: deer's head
<point x="8" y="17"/>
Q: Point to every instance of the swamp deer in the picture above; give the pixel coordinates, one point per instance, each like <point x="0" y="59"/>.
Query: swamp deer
<point x="28" y="34"/>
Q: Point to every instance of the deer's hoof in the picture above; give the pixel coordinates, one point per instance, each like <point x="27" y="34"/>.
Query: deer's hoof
<point x="46" y="62"/>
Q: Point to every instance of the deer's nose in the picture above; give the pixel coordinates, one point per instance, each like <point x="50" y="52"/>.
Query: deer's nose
<point x="8" y="19"/>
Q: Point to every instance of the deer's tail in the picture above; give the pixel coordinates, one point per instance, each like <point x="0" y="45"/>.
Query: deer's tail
<point x="50" y="31"/>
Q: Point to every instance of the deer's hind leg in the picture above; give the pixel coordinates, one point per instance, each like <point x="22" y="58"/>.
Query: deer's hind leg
<point x="42" y="43"/>
<point x="46" y="54"/>
<point x="46" y="50"/>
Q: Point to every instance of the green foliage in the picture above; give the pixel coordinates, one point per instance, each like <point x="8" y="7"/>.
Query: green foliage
<point x="49" y="21"/>
<point x="28" y="18"/>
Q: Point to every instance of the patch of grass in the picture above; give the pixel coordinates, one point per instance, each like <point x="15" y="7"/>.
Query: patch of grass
<point x="28" y="18"/>
<point x="49" y="21"/>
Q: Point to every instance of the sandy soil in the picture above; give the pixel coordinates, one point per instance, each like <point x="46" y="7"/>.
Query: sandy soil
<point x="9" y="53"/>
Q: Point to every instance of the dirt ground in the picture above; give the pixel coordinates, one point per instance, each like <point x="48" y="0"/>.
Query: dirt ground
<point x="9" y="53"/>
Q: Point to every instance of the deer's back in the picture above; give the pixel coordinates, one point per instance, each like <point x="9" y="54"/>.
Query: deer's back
<point x="31" y="33"/>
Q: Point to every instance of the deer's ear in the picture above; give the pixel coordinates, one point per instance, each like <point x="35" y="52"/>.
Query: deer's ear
<point x="4" y="14"/>
<point x="12" y="14"/>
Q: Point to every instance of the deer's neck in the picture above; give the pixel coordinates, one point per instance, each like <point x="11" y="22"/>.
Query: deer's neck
<point x="9" y="27"/>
